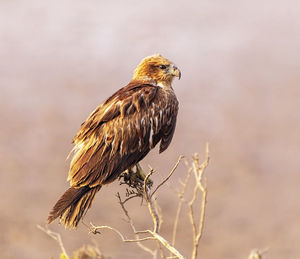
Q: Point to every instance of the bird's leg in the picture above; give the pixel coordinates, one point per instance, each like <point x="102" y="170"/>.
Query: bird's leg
<point x="135" y="179"/>
<point x="141" y="175"/>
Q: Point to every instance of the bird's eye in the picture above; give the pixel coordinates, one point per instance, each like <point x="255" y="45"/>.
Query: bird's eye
<point x="162" y="66"/>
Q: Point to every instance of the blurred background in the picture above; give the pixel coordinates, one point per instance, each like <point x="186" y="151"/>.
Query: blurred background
<point x="239" y="91"/>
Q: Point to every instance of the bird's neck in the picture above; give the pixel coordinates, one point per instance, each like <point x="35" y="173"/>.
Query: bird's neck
<point x="164" y="85"/>
<point x="148" y="80"/>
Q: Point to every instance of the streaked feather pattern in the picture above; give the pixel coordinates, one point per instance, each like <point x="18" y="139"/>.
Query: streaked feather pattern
<point x="126" y="125"/>
<point x="116" y="136"/>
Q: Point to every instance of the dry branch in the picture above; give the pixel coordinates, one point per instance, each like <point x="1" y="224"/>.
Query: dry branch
<point x="168" y="177"/>
<point x="181" y="200"/>
<point x="143" y="190"/>
<point x="199" y="186"/>
<point x="153" y="210"/>
<point x="56" y="237"/>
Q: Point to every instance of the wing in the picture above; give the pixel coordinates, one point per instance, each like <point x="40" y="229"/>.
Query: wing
<point x="120" y="132"/>
<point x="167" y="134"/>
<point x="169" y="124"/>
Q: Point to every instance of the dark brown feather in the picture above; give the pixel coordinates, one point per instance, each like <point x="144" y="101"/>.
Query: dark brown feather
<point x="73" y="204"/>
<point x="127" y="124"/>
<point x="116" y="136"/>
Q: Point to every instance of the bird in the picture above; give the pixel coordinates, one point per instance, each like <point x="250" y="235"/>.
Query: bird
<point x="118" y="134"/>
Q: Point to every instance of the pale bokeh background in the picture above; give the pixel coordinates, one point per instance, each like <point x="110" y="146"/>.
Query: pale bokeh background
<point x="240" y="63"/>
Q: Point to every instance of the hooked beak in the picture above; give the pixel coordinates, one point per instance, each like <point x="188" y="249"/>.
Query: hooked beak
<point x="175" y="72"/>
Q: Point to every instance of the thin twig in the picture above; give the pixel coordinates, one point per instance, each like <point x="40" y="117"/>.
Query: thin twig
<point x="162" y="253"/>
<point x="151" y="208"/>
<point x="147" y="197"/>
<point x="131" y="197"/>
<point x="167" y="245"/>
<point x="180" y="196"/>
<point x="199" y="185"/>
<point x="156" y="219"/>
<point x="168" y="177"/>
<point x="155" y="216"/>
<point x="145" y="248"/>
<point x="95" y="230"/>
<point x="56" y="237"/>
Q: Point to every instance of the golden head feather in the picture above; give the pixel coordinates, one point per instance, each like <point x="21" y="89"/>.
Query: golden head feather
<point x="157" y="68"/>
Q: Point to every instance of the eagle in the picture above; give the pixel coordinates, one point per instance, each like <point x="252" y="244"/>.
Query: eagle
<point x="118" y="134"/>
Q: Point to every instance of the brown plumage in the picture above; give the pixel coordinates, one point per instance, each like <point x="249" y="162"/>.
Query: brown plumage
<point x="118" y="134"/>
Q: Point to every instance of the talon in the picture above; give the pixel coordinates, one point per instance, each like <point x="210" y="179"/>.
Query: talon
<point x="135" y="179"/>
<point x="140" y="173"/>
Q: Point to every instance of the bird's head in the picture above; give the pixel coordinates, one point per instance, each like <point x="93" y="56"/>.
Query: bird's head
<point x="157" y="68"/>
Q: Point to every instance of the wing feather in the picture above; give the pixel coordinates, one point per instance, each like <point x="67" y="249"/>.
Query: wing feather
<point x="120" y="132"/>
<point x="169" y="125"/>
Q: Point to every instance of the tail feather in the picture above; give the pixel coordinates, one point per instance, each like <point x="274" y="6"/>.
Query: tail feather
<point x="73" y="205"/>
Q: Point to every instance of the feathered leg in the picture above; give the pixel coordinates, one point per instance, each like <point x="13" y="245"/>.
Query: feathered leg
<point x="135" y="179"/>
